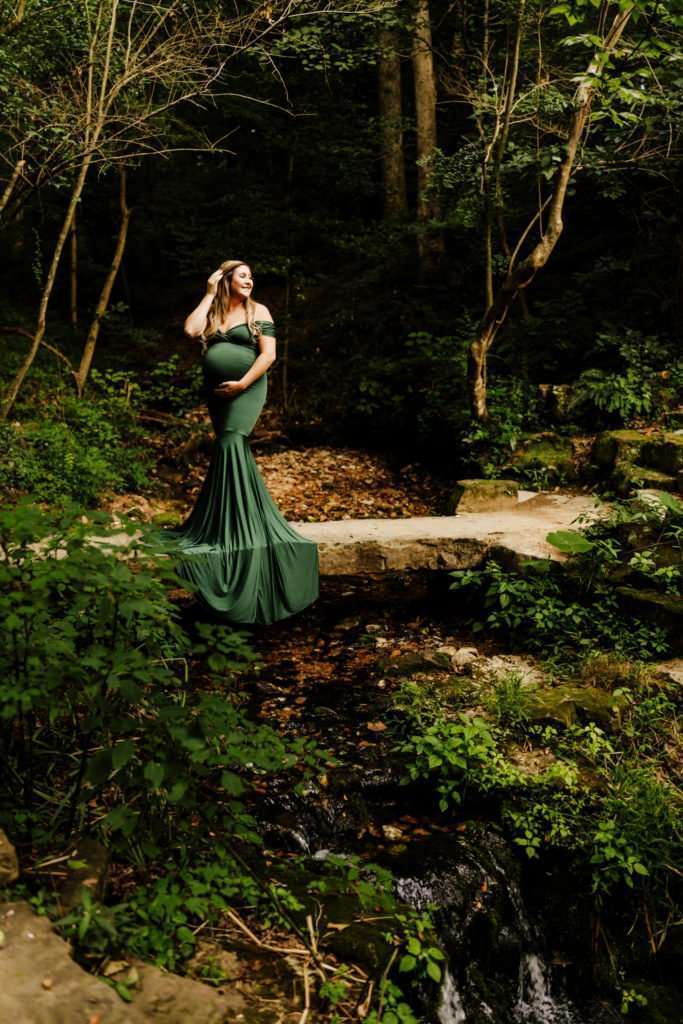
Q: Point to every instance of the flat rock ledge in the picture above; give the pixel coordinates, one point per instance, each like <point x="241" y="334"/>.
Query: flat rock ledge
<point x="355" y="547"/>
<point x="41" y="984"/>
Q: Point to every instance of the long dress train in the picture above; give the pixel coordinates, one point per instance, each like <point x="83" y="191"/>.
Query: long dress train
<point x="247" y="563"/>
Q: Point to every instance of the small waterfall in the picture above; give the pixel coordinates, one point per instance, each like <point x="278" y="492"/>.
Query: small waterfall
<point x="451" y="1010"/>
<point x="535" y="1003"/>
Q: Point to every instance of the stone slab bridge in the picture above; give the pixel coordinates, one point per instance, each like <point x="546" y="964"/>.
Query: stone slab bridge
<point x="354" y="547"/>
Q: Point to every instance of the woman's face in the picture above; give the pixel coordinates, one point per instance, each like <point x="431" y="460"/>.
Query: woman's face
<point x="241" y="282"/>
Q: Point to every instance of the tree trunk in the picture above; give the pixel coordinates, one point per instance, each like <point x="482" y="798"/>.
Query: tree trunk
<point x="520" y="275"/>
<point x="73" y="275"/>
<point x="9" y="188"/>
<point x="391" y="125"/>
<point x="430" y="243"/>
<point x="15" y="387"/>
<point x="101" y="309"/>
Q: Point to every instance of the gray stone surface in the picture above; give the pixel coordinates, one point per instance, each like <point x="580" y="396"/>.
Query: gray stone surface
<point x="359" y="546"/>
<point x="41" y="984"/>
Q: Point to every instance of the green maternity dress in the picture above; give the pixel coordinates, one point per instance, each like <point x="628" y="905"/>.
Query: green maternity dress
<point x="247" y="563"/>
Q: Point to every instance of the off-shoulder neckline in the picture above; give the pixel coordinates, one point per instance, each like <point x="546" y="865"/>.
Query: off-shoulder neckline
<point x="243" y="324"/>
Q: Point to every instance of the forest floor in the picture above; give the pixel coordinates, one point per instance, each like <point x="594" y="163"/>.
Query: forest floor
<point x="308" y="484"/>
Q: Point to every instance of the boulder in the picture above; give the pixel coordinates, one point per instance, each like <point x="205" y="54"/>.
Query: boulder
<point x="41" y="984"/>
<point x="617" y="445"/>
<point x="9" y="863"/>
<point x="665" y="610"/>
<point x="670" y="671"/>
<point x="632" y="460"/>
<point x="569" y="704"/>
<point x="416" y="662"/>
<point x="548" y="456"/>
<point x="665" y="454"/>
<point x="484" y="495"/>
<point x="627" y="477"/>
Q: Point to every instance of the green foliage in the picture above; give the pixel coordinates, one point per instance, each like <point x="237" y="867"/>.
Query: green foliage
<point x="168" y="387"/>
<point x="601" y="801"/>
<point x="157" y="922"/>
<point x="74" y="450"/>
<point x="574" y="608"/>
<point x="488" y="445"/>
<point x="420" y="957"/>
<point x="412" y="391"/>
<point x="457" y="755"/>
<point x="640" y="378"/>
<point x="509" y="700"/>
<point x="98" y="698"/>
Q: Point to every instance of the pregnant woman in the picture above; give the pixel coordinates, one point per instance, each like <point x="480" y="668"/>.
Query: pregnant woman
<point x="247" y="563"/>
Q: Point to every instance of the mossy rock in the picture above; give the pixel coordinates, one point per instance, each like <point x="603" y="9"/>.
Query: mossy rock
<point x="570" y="704"/>
<point x="627" y="477"/>
<point x="419" y="661"/>
<point x="363" y="944"/>
<point x="484" y="495"/>
<point x="548" y="455"/>
<point x="665" y="610"/>
<point x="665" y="454"/>
<point x="617" y="445"/>
<point x="633" y="459"/>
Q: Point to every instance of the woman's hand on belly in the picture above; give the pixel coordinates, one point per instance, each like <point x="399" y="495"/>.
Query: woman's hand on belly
<point x="230" y="389"/>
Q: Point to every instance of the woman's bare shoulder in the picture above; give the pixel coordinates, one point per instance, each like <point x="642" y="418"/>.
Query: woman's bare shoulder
<point x="262" y="312"/>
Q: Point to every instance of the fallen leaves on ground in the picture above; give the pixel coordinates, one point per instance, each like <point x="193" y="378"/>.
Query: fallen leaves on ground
<point x="308" y="485"/>
<point x="315" y="484"/>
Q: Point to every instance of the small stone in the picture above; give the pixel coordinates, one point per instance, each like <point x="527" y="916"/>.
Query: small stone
<point x="2" y="940"/>
<point x="464" y="657"/>
<point x="47" y="983"/>
<point x="392" y="832"/>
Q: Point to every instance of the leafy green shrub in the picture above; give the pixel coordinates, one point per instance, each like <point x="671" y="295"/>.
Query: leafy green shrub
<point x="545" y="609"/>
<point x="645" y="381"/>
<point x="97" y="700"/>
<point x="488" y="445"/>
<point x="169" y="387"/>
<point x="74" y="452"/>
<point x="412" y="394"/>
<point x="605" y="806"/>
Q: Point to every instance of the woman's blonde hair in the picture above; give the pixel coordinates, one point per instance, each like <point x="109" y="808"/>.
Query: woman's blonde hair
<point x="220" y="307"/>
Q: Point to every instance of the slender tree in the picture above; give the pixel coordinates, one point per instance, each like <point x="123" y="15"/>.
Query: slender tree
<point x="430" y="242"/>
<point x="520" y="274"/>
<point x="391" y="123"/>
<point x="103" y="301"/>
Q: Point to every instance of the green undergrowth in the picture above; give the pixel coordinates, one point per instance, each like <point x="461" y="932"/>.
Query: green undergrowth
<point x="59" y="448"/>
<point x="567" y="610"/>
<point x="584" y="767"/>
<point x="607" y="797"/>
<point x="117" y="724"/>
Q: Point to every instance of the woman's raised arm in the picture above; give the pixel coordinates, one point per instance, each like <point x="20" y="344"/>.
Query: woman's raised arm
<point x="195" y="325"/>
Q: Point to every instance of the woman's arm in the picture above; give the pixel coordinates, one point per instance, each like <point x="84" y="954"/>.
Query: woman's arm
<point x="196" y="321"/>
